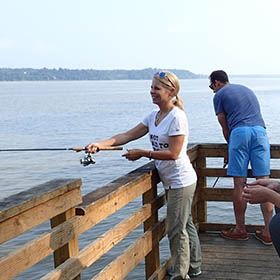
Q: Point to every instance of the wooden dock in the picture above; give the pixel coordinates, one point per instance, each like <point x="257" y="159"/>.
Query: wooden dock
<point x="224" y="259"/>
<point x="71" y="215"/>
<point x="230" y="259"/>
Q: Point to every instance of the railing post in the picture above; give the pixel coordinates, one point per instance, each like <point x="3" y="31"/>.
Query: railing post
<point x="201" y="183"/>
<point x="152" y="261"/>
<point x="70" y="249"/>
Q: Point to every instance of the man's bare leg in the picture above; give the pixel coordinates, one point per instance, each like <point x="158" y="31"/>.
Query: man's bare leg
<point x="267" y="211"/>
<point x="239" y="204"/>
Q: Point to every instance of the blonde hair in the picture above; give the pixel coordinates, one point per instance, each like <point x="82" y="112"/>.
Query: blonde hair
<point x="170" y="80"/>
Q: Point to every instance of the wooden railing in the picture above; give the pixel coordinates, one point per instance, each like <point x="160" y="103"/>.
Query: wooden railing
<point x="60" y="201"/>
<point x="200" y="153"/>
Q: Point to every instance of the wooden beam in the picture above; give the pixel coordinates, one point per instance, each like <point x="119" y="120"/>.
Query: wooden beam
<point x="152" y="261"/>
<point x="35" y="250"/>
<point x="221" y="226"/>
<point x="192" y="152"/>
<point x="23" y="201"/>
<point x="216" y="194"/>
<point x="212" y="172"/>
<point x="72" y="247"/>
<point x="126" y="262"/>
<point x="201" y="205"/>
<point x="275" y="151"/>
<point x="161" y="272"/>
<point x="39" y="214"/>
<point x="112" y="202"/>
<point x="102" y="244"/>
<point x="222" y="172"/>
<point x="122" y="184"/>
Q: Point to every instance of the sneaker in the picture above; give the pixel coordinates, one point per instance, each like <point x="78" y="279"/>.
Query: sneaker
<point x="170" y="271"/>
<point x="266" y="240"/>
<point x="179" y="278"/>
<point x="195" y="273"/>
<point x="234" y="235"/>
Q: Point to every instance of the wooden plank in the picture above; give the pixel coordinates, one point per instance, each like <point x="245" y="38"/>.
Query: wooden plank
<point x="275" y="151"/>
<point x="221" y="172"/>
<point x="219" y="150"/>
<point x="132" y="178"/>
<point x="212" y="172"/>
<point x="244" y="250"/>
<point x="192" y="152"/>
<point x="215" y="150"/>
<point x="36" y="250"/>
<point x="122" y="265"/>
<point x="274" y="173"/>
<point x="101" y="245"/>
<point x="23" y="201"/>
<point x="201" y="206"/>
<point x="160" y="273"/>
<point x="72" y="247"/>
<point x="41" y="213"/>
<point x="112" y="202"/>
<point x="216" y="194"/>
<point x="230" y="259"/>
<point x="213" y="227"/>
<point x="152" y="262"/>
<point x="212" y="146"/>
<point x="225" y="259"/>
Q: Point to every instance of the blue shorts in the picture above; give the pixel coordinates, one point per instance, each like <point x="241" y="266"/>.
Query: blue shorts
<point x="249" y="144"/>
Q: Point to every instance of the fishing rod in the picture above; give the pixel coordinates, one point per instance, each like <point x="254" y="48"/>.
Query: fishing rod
<point x="85" y="161"/>
<point x="77" y="149"/>
<point x="225" y="164"/>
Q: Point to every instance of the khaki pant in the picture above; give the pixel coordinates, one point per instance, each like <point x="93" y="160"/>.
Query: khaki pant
<point x="183" y="238"/>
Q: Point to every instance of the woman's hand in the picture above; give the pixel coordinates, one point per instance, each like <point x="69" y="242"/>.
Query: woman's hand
<point x="93" y="148"/>
<point x="133" y="154"/>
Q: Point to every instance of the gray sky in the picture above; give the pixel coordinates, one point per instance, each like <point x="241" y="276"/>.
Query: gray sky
<point x="238" y="36"/>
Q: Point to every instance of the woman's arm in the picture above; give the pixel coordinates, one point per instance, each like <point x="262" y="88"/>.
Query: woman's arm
<point x="119" y="139"/>
<point x="172" y="153"/>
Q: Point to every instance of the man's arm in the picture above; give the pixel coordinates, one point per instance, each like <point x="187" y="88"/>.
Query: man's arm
<point x="259" y="194"/>
<point x="223" y="123"/>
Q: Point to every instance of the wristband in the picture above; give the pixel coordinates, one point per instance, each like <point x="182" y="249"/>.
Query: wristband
<point x="150" y="155"/>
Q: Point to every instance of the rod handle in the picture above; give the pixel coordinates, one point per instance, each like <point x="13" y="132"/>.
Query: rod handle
<point x="109" y="148"/>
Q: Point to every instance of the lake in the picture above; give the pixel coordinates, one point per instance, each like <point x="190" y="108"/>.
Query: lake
<point x="67" y="114"/>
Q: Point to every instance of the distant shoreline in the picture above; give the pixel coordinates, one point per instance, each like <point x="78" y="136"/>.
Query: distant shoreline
<point x="61" y="74"/>
<point x="45" y="74"/>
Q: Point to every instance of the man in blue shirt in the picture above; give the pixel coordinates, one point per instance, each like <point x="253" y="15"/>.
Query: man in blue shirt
<point x="238" y="113"/>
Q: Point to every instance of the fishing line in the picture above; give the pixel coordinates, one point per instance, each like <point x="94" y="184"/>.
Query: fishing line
<point x="225" y="164"/>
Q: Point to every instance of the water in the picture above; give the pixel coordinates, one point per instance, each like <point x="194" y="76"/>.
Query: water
<point x="75" y="113"/>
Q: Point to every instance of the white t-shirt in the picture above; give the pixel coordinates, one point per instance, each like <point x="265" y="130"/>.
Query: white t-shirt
<point x="173" y="173"/>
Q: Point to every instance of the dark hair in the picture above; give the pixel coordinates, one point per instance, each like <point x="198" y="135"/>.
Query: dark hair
<point x="219" y="75"/>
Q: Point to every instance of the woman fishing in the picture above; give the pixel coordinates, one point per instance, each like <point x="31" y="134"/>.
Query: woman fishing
<point x="168" y="131"/>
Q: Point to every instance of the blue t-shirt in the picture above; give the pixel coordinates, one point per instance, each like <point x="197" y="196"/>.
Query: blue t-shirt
<point x="240" y="105"/>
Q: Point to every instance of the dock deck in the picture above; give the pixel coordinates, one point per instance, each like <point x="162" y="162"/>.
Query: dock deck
<point x="229" y="259"/>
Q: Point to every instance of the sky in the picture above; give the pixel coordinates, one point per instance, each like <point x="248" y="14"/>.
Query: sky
<point x="238" y="36"/>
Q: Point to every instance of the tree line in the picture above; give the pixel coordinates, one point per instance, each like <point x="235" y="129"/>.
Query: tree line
<point x="61" y="74"/>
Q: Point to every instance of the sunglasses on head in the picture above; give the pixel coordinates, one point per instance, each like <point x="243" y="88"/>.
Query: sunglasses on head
<point x="162" y="75"/>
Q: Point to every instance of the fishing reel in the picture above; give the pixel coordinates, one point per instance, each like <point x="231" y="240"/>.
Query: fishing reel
<point x="87" y="159"/>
